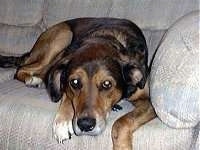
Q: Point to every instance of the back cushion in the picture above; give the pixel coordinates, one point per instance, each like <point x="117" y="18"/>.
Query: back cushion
<point x="17" y="40"/>
<point x="21" y="12"/>
<point x="151" y="14"/>
<point x="21" y="20"/>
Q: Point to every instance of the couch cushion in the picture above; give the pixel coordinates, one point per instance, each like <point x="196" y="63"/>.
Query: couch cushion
<point x="151" y="14"/>
<point x="26" y="123"/>
<point x="21" y="12"/>
<point x="17" y="40"/>
<point x="62" y="10"/>
<point x="175" y="74"/>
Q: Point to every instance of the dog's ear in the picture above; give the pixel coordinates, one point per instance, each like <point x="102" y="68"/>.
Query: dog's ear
<point x="134" y="77"/>
<point x="55" y="79"/>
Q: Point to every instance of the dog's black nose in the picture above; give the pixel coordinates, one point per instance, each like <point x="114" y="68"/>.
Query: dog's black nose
<point x="86" y="124"/>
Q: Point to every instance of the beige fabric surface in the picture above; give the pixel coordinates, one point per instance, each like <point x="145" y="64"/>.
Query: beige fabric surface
<point x="31" y="12"/>
<point x="6" y="74"/>
<point x="148" y="14"/>
<point x="17" y="40"/>
<point x="26" y="123"/>
<point x="175" y="74"/>
<point x="152" y="15"/>
<point x="153" y="38"/>
<point x="21" y="12"/>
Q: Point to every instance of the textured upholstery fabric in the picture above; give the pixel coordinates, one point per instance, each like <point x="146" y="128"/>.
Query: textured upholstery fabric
<point x="26" y="123"/>
<point x="21" y="12"/>
<point x="17" y="40"/>
<point x="153" y="38"/>
<point x="145" y="13"/>
<point x="26" y="115"/>
<point x="175" y="74"/>
<point x="6" y="74"/>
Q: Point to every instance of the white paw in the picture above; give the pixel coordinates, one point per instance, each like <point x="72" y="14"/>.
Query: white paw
<point x="34" y="82"/>
<point x="62" y="131"/>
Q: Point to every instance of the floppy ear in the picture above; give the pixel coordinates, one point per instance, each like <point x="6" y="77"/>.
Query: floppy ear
<point x="54" y="81"/>
<point x="134" y="77"/>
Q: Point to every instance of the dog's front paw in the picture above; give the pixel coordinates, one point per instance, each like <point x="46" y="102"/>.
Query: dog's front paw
<point x="34" y="82"/>
<point x="121" y="135"/>
<point x="116" y="107"/>
<point x="62" y="130"/>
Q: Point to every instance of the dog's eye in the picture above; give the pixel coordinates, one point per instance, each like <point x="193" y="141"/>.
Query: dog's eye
<point x="76" y="83"/>
<point x="106" y="85"/>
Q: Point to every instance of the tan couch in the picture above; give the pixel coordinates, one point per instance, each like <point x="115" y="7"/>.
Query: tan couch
<point x="26" y="114"/>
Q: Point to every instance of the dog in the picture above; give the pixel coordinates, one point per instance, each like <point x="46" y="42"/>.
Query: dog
<point x="90" y="64"/>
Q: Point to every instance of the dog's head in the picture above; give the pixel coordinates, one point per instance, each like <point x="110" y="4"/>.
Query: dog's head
<point x="94" y="81"/>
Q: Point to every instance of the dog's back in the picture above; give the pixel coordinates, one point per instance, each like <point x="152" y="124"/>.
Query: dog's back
<point x="123" y="33"/>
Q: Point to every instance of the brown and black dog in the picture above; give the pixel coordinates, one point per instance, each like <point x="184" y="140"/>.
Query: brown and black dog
<point x="90" y="64"/>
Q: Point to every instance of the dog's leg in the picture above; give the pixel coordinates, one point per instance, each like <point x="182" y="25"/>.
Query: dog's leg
<point x="124" y="127"/>
<point x="27" y="74"/>
<point x="62" y="126"/>
<point x="43" y="54"/>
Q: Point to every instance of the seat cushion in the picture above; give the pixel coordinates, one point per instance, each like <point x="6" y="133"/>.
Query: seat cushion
<point x="26" y="123"/>
<point x="6" y="74"/>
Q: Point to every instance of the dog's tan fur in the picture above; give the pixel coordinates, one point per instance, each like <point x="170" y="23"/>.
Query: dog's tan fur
<point x="47" y="47"/>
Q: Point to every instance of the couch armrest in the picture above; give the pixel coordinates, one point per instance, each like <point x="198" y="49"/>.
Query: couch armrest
<point x="6" y="74"/>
